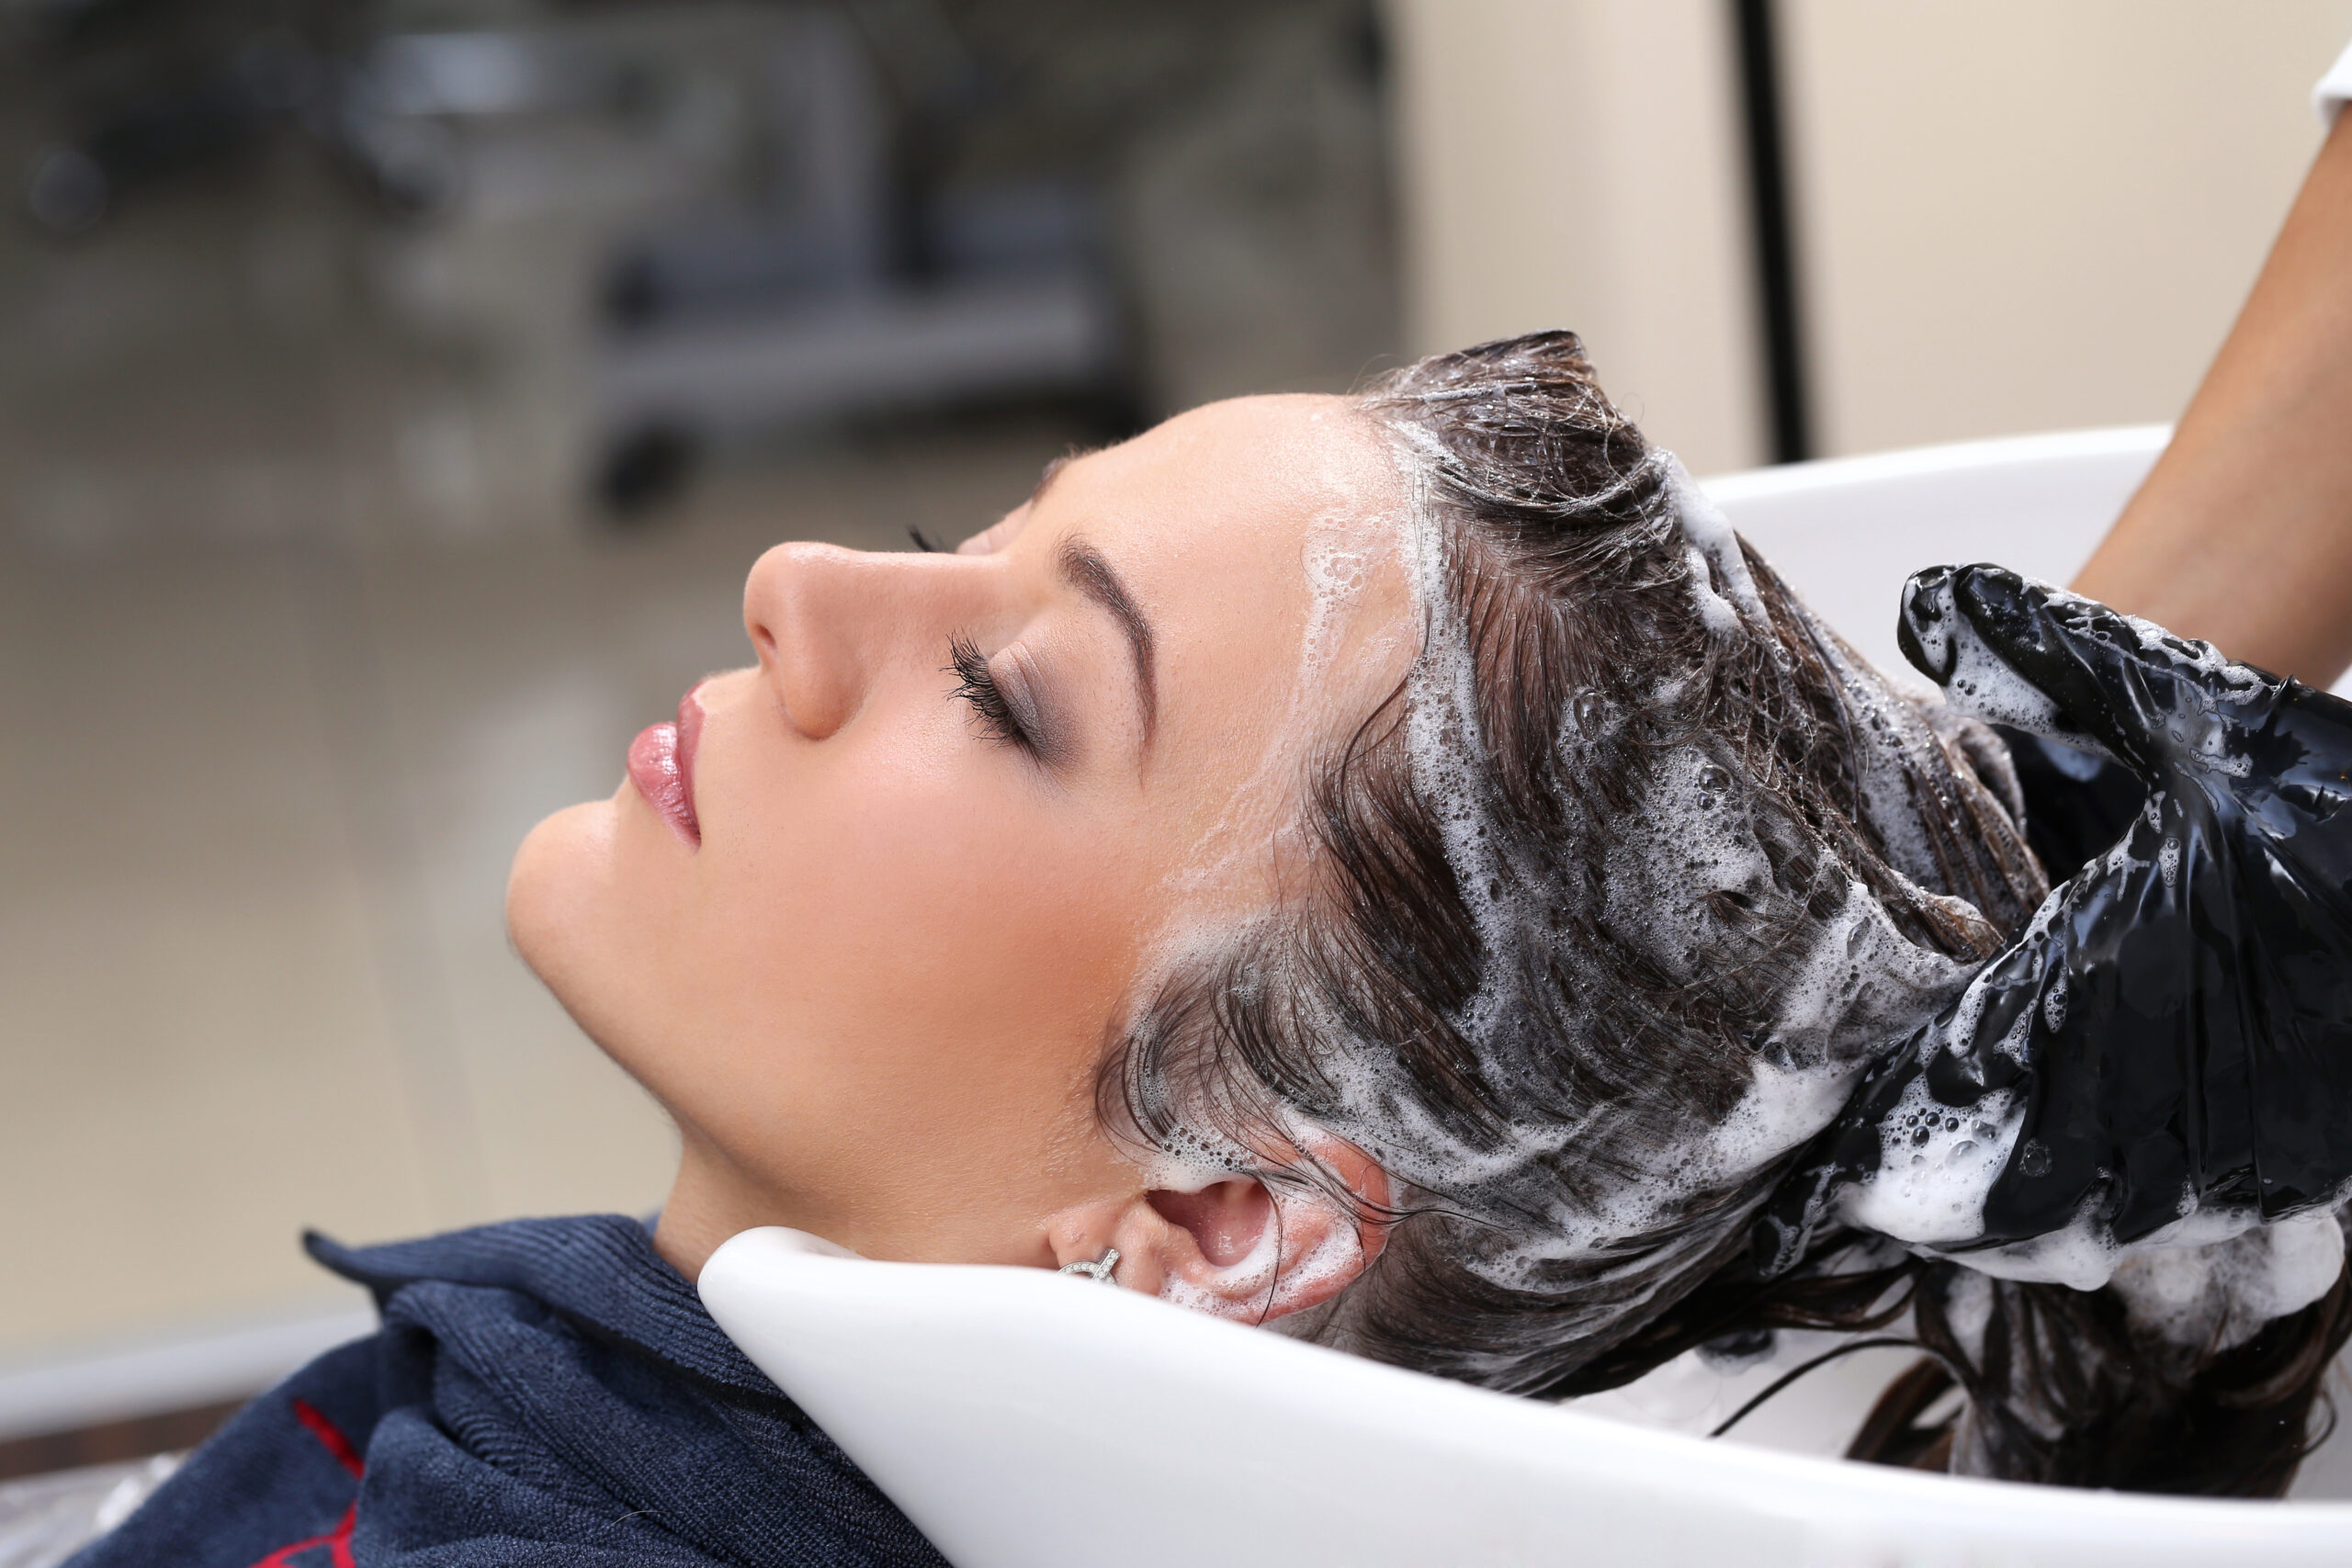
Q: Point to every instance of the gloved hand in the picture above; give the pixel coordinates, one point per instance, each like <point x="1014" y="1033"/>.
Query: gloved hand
<point x="2174" y="1029"/>
<point x="2077" y="804"/>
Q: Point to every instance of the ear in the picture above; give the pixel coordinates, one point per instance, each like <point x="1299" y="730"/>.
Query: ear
<point x="1236" y="1246"/>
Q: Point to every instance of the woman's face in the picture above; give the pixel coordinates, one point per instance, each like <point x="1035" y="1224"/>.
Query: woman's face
<point x="866" y="923"/>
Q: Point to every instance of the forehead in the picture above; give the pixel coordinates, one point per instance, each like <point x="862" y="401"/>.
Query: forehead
<point x="1265" y="539"/>
<point x="1240" y="502"/>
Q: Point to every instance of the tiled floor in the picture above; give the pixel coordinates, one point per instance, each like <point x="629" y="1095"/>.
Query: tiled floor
<point x="254" y="822"/>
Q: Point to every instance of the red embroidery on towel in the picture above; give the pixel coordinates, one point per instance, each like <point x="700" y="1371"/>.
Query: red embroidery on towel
<point x="324" y="1430"/>
<point x="336" y="1543"/>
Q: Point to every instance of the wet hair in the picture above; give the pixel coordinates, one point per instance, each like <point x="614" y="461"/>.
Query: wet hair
<point x="1610" y="899"/>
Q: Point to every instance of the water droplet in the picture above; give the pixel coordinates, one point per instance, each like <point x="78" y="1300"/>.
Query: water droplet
<point x="1965" y="1146"/>
<point x="1952" y="1123"/>
<point x="1585" y="710"/>
<point x="1921" y="1135"/>
<point x="2034" y="1159"/>
<point x="1713" y="779"/>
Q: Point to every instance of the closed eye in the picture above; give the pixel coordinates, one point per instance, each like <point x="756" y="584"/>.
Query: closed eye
<point x="976" y="684"/>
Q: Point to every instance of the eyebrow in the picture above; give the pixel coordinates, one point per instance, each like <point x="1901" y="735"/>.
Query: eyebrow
<point x="1083" y="568"/>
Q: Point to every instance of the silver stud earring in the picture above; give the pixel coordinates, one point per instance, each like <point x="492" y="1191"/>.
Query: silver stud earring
<point x="1098" y="1270"/>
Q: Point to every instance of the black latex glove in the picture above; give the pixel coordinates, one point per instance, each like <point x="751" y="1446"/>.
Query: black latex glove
<point x="2177" y="1020"/>
<point x="2077" y="804"/>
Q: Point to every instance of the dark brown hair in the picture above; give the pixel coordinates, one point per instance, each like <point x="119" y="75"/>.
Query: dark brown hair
<point x="1637" y="840"/>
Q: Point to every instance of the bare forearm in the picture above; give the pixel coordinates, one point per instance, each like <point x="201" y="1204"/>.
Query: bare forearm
<point x="2243" y="534"/>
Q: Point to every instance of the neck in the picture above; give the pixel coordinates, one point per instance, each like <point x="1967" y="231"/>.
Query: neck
<point x="712" y="1198"/>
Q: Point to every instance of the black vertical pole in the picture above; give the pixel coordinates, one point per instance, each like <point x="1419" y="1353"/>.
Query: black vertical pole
<point x="1768" y="192"/>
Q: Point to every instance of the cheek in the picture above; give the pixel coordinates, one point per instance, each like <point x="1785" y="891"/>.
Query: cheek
<point x="904" y="931"/>
<point x="910" y="893"/>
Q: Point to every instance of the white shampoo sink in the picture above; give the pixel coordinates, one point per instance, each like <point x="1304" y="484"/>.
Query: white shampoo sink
<point x="1025" y="1419"/>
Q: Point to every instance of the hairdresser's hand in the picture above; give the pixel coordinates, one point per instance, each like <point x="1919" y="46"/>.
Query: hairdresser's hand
<point x="2244" y="531"/>
<point x="2177" y="1022"/>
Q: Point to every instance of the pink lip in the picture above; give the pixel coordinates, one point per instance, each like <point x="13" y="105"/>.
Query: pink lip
<point x="662" y="766"/>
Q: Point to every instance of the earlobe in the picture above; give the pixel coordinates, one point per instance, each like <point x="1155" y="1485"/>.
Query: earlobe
<point x="1240" y="1247"/>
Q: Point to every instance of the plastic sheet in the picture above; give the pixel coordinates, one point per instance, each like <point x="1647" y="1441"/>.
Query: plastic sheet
<point x="44" y="1519"/>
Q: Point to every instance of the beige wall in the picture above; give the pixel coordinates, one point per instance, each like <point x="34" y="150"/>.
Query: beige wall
<point x="2012" y="215"/>
<point x="1573" y="163"/>
<point x="2022" y="215"/>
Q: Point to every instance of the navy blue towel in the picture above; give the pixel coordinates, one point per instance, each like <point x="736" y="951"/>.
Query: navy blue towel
<point x="542" y="1392"/>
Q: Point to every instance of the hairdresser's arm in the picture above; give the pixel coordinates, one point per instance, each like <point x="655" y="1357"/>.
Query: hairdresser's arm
<point x="2243" y="534"/>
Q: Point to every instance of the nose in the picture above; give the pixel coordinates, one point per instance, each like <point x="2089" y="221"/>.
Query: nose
<point x="798" y="607"/>
<point x="829" y="624"/>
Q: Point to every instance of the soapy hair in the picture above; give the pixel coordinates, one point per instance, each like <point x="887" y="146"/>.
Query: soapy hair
<point x="1611" y="898"/>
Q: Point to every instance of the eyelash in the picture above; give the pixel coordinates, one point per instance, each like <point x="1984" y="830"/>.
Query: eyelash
<point x="976" y="686"/>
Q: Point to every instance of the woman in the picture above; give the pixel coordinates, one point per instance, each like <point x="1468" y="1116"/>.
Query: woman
<point x="1396" y="868"/>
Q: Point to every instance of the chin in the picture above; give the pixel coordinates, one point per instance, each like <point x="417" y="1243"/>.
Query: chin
<point x="562" y="897"/>
<point x="590" y="903"/>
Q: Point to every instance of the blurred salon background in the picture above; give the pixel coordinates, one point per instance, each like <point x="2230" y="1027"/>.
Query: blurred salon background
<point x="394" y="392"/>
